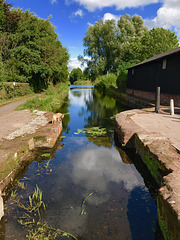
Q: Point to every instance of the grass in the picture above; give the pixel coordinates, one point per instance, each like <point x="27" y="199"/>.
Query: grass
<point x="7" y="101"/>
<point x="51" y="100"/>
<point x="32" y="218"/>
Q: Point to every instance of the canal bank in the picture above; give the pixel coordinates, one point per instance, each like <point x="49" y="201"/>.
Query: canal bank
<point x="24" y="137"/>
<point x="156" y="138"/>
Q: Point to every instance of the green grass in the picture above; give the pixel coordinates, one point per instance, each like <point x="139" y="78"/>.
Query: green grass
<point x="51" y="100"/>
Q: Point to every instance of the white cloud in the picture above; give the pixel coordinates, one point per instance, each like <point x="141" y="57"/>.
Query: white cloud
<point x="75" y="63"/>
<point x="79" y="13"/>
<point x="53" y="1"/>
<point x="92" y="5"/>
<point x="168" y="16"/>
<point x="89" y="24"/>
<point x="110" y="16"/>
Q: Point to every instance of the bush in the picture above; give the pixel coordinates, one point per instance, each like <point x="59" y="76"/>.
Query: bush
<point x="123" y="75"/>
<point x="106" y="81"/>
<point x="7" y="90"/>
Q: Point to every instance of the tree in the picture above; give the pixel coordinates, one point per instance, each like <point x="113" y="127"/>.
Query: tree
<point x="8" y="18"/>
<point x="37" y="56"/>
<point x="129" y="28"/>
<point x="107" y="43"/>
<point x="153" y="42"/>
<point x="75" y="75"/>
<point x="99" y="43"/>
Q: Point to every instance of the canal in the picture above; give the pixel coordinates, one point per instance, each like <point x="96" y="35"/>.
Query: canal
<point x="91" y="188"/>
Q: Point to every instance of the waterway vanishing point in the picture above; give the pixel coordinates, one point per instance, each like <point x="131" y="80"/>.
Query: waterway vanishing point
<point x="91" y="187"/>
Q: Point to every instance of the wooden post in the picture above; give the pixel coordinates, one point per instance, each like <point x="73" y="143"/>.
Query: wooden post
<point x="157" y="106"/>
<point x="171" y="106"/>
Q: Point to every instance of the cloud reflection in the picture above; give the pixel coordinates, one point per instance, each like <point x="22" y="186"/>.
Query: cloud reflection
<point x="94" y="168"/>
<point x="81" y="99"/>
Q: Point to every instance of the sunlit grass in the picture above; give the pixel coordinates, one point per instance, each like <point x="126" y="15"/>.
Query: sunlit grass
<point x="51" y="100"/>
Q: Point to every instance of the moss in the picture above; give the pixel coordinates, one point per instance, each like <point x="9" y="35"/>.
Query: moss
<point x="40" y="138"/>
<point x="25" y="149"/>
<point x="7" y="166"/>
<point x="151" y="162"/>
<point x="164" y="228"/>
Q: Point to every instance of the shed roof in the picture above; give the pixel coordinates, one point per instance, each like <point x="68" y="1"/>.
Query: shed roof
<point x="159" y="56"/>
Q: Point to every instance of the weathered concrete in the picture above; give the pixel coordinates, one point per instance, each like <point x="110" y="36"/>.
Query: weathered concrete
<point x="156" y="138"/>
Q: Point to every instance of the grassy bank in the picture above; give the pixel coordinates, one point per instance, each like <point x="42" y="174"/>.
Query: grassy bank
<point x="50" y="100"/>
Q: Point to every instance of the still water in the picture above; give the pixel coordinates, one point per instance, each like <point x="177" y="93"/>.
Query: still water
<point x="88" y="175"/>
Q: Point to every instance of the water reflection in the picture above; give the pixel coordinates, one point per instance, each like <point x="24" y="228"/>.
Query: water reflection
<point x="94" y="168"/>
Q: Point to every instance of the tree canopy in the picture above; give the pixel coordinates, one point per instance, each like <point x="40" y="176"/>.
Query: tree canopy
<point x="30" y="50"/>
<point x="75" y="75"/>
<point x="109" y="44"/>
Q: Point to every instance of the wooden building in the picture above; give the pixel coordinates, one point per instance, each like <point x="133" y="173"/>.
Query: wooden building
<point x="162" y="70"/>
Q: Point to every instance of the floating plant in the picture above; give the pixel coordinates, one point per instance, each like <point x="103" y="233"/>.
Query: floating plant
<point x="93" y="131"/>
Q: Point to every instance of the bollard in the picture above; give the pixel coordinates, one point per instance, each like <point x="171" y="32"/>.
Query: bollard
<point x="171" y="106"/>
<point x="157" y="106"/>
<point x="1" y="206"/>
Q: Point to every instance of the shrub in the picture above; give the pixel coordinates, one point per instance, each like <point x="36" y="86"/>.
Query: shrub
<point x="7" y="90"/>
<point x="123" y="75"/>
<point x="106" y="81"/>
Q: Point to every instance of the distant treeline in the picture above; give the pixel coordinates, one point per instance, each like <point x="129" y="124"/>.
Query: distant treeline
<point x="30" y="51"/>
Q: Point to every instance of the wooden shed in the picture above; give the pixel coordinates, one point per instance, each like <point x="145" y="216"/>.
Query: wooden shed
<point x="162" y="70"/>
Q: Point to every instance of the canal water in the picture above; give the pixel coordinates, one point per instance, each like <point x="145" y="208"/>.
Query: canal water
<point x="91" y="187"/>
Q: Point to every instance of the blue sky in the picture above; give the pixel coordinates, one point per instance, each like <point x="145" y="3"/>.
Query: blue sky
<point x="72" y="17"/>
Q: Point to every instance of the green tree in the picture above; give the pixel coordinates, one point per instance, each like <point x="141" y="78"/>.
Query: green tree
<point x="129" y="28"/>
<point x="75" y="75"/>
<point x="37" y="57"/>
<point x="8" y="18"/>
<point x="153" y="42"/>
<point x="99" y="43"/>
<point x="107" y="44"/>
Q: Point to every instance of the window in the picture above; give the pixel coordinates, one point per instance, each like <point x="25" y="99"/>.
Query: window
<point x="132" y="71"/>
<point x="164" y="63"/>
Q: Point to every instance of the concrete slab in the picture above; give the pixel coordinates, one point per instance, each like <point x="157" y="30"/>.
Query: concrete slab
<point x="164" y="123"/>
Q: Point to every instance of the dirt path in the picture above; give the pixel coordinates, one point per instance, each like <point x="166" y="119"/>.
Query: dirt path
<point x="11" y="120"/>
<point x="18" y="123"/>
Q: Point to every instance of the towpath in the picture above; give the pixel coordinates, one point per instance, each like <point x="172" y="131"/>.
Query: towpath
<point x="164" y="123"/>
<point x="11" y="120"/>
<point x="16" y="123"/>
